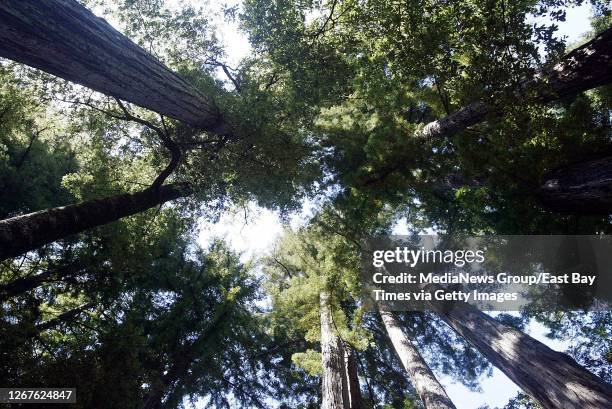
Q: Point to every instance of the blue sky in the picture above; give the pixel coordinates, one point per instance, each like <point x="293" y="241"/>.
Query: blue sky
<point x="257" y="234"/>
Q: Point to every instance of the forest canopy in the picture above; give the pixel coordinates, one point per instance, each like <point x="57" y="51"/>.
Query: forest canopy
<point x="125" y="128"/>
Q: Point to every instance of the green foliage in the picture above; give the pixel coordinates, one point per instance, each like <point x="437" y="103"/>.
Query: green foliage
<point x="305" y="264"/>
<point x="329" y="104"/>
<point x="181" y="325"/>
<point x="309" y="360"/>
<point x="323" y="257"/>
<point x="34" y="153"/>
<point x="398" y="68"/>
<point x="522" y="401"/>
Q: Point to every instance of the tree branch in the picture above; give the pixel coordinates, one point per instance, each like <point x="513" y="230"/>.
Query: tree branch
<point x="228" y="74"/>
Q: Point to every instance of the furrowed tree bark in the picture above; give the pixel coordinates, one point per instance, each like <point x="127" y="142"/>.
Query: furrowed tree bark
<point x="584" y="68"/>
<point x="27" y="232"/>
<point x="552" y="378"/>
<point x="584" y="188"/>
<point x="352" y="379"/>
<point x="65" y="39"/>
<point x="430" y="391"/>
<point x="334" y="387"/>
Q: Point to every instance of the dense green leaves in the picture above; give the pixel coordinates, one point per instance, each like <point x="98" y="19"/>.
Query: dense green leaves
<point x="34" y="153"/>
<point x="328" y="107"/>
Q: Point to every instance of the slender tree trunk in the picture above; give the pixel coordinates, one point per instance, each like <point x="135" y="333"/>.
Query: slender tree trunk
<point x="63" y="317"/>
<point x="24" y="233"/>
<point x="430" y="391"/>
<point x="584" y="188"/>
<point x="65" y="39"/>
<point x="586" y="67"/>
<point x="552" y="378"/>
<point x="53" y="273"/>
<point x="352" y="379"/>
<point x="365" y="378"/>
<point x="24" y="284"/>
<point x="334" y="388"/>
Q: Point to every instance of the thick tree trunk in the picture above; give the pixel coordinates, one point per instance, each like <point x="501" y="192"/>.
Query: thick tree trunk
<point x="584" y="188"/>
<point x="334" y="387"/>
<point x="24" y="233"/>
<point x="552" y="378"/>
<point x="430" y="391"/>
<point x="352" y="379"/>
<point x="65" y="39"/>
<point x="584" y="68"/>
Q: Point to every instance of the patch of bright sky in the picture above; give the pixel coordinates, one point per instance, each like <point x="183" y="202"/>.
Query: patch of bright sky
<point x="236" y="43"/>
<point x="228" y="32"/>
<point x="254" y="235"/>
<point x="576" y="23"/>
<point x="251" y="231"/>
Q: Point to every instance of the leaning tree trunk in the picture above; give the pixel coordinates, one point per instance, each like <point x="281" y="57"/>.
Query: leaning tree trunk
<point x="552" y="378"/>
<point x="584" y="188"/>
<point x="352" y="379"/>
<point x="63" y="317"/>
<point x="28" y="283"/>
<point x="334" y="387"/>
<point x="586" y="67"/>
<point x="24" y="284"/>
<point x="430" y="391"/>
<point x="65" y="39"/>
<point x="24" y="233"/>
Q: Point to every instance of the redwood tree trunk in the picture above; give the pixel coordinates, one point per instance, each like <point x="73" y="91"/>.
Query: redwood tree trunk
<point x="352" y="379"/>
<point x="586" y="67"/>
<point x="552" y="378"/>
<point x="24" y="233"/>
<point x="334" y="387"/>
<point x="65" y="39"/>
<point x="430" y="391"/>
<point x="584" y="188"/>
